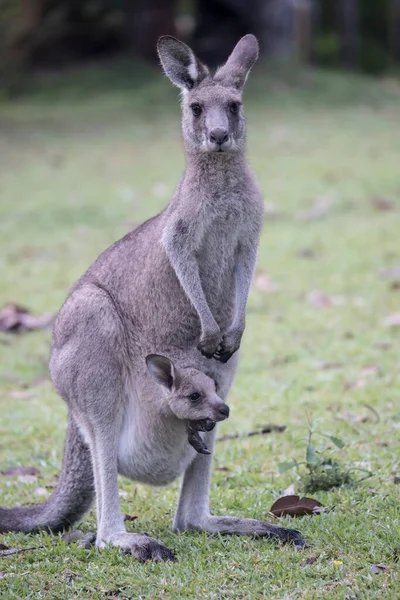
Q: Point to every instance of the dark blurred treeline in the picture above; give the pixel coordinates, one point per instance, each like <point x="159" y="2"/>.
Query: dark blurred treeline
<point x="361" y="34"/>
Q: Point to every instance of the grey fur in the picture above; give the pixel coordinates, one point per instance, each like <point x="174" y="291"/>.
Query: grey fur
<point x="176" y="285"/>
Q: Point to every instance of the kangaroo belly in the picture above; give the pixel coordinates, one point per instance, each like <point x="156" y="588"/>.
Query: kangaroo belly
<point x="156" y="453"/>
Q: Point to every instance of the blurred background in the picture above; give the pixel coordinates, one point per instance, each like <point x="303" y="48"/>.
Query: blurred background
<point x="51" y="33"/>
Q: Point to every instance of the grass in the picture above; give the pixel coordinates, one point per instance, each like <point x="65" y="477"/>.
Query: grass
<point x="89" y="154"/>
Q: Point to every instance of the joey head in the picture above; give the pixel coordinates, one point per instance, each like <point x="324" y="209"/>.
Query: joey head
<point x="191" y="396"/>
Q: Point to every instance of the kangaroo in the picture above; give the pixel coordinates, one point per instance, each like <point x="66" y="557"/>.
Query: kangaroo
<point x="176" y="286"/>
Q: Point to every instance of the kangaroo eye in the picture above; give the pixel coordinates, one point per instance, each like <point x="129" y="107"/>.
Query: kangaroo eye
<point x="195" y="396"/>
<point x="197" y="110"/>
<point x="234" y="107"/>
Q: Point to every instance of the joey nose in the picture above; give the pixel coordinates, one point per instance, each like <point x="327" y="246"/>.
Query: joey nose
<point x="219" y="136"/>
<point x="224" y="411"/>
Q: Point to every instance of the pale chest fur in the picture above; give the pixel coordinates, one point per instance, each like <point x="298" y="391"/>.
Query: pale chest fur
<point x="156" y="454"/>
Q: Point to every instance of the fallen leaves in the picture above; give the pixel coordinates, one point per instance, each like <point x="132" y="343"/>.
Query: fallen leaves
<point x="263" y="283"/>
<point x="309" y="561"/>
<point x="322" y="300"/>
<point x="130" y="517"/>
<point x="317" y="210"/>
<point x="383" y="204"/>
<point x="16" y="319"/>
<point x="18" y="471"/>
<point x="294" y="506"/>
<point x="380" y="568"/>
<point x="392" y="320"/>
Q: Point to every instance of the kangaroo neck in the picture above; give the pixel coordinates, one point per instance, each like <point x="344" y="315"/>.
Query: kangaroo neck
<point x="214" y="172"/>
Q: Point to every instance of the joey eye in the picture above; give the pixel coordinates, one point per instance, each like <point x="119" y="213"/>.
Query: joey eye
<point x="195" y="396"/>
<point x="197" y="110"/>
<point x="234" y="107"/>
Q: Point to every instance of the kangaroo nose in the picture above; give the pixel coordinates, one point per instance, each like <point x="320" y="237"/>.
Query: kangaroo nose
<point x="219" y="136"/>
<point x="224" y="411"/>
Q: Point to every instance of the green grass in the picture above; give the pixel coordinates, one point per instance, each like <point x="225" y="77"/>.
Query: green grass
<point x="88" y="155"/>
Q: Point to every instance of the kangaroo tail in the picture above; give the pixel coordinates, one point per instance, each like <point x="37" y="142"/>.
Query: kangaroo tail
<point x="70" y="500"/>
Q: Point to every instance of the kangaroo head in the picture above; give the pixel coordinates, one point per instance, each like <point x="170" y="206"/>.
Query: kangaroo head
<point x="212" y="113"/>
<point x="190" y="393"/>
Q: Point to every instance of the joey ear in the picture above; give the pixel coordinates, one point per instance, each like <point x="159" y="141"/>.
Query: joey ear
<point x="179" y="63"/>
<point x="161" y="369"/>
<point x="236" y="69"/>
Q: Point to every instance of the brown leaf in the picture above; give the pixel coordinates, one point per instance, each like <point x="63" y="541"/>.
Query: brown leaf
<point x="378" y="568"/>
<point x="318" y="298"/>
<point x="392" y="320"/>
<point x="17" y="471"/>
<point x="20" y="394"/>
<point x="309" y="561"/>
<point x="294" y="506"/>
<point x="327" y="366"/>
<point x="306" y="253"/>
<point x="352" y="418"/>
<point x="68" y="576"/>
<point x="224" y="469"/>
<point x="263" y="283"/>
<point x="317" y="210"/>
<point x="15" y="319"/>
<point x="130" y="517"/>
<point x="382" y="203"/>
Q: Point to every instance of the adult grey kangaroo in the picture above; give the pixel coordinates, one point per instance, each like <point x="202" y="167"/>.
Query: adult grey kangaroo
<point x="176" y="286"/>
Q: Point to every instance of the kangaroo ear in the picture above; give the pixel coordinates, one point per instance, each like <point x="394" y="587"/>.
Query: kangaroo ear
<point x="161" y="369"/>
<point x="236" y="69"/>
<point x="179" y="63"/>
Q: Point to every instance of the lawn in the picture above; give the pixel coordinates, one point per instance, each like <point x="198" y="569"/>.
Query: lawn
<point x="88" y="155"/>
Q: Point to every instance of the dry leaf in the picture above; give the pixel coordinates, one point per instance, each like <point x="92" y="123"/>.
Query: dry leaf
<point x="294" y="506"/>
<point x="392" y="320"/>
<point x="352" y="418"/>
<point x="309" y="561"/>
<point x="20" y="394"/>
<point x="327" y="366"/>
<point x="383" y="204"/>
<point x="40" y="491"/>
<point x="318" y="298"/>
<point x="130" y="517"/>
<point x="68" y="576"/>
<point x="317" y="210"/>
<point x="15" y="319"/>
<point x="306" y="253"/>
<point x="263" y="283"/>
<point x="18" y="471"/>
<point x="378" y="568"/>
